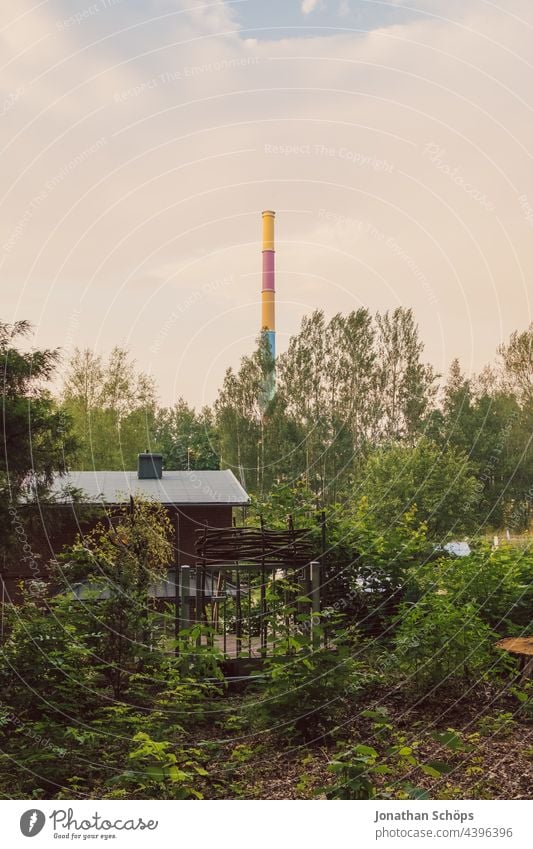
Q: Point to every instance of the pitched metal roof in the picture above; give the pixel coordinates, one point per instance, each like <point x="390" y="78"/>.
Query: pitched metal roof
<point x="174" y="488"/>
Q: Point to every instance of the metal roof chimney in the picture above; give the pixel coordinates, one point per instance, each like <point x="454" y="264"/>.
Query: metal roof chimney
<point x="149" y="466"/>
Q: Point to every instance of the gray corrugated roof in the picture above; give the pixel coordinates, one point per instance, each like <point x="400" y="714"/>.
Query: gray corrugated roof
<point x="180" y="488"/>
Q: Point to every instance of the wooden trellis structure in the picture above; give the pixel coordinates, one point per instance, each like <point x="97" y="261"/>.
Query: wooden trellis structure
<point x="250" y="588"/>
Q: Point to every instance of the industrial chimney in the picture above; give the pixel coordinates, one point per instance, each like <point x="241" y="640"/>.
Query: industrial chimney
<point x="268" y="301"/>
<point x="268" y="288"/>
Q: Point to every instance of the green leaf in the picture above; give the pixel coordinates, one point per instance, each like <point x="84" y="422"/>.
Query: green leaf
<point x="428" y="770"/>
<point x="450" y="739"/>
<point x="175" y="774"/>
<point x="416" y="792"/>
<point x="155" y="772"/>
<point x="366" y="751"/>
<point x="380" y="713"/>
<point x="440" y="766"/>
<point x="382" y="770"/>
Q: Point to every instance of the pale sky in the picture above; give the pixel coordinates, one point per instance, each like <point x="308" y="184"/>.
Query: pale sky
<point x="140" y="140"/>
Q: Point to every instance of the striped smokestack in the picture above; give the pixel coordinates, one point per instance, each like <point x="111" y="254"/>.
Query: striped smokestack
<point x="268" y="288"/>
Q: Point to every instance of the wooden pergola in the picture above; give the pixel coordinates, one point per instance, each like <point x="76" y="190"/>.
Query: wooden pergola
<point x="249" y="585"/>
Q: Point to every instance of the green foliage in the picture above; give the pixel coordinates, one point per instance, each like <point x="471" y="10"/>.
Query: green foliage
<point x="160" y="770"/>
<point x="341" y="384"/>
<point x="187" y="439"/>
<point x="364" y="772"/>
<point x="490" y="420"/>
<point x="440" y="482"/>
<point x="501" y="725"/>
<point x="405" y="384"/>
<point x="96" y="703"/>
<point x="305" y="688"/>
<point x="91" y="700"/>
<point x="442" y="646"/>
<point x="366" y="566"/>
<point x="240" y="409"/>
<point x="67" y="736"/>
<point x="46" y="660"/>
<point x="119" y="561"/>
<point x="498" y="582"/>
<point x="346" y="388"/>
<point x="198" y="662"/>
<point x="36" y="436"/>
<point x="517" y="358"/>
<point x="353" y="770"/>
<point x="112" y="407"/>
<point x="284" y="500"/>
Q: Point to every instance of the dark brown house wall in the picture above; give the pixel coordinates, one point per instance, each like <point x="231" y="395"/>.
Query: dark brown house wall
<point x="187" y="520"/>
<point x="47" y="531"/>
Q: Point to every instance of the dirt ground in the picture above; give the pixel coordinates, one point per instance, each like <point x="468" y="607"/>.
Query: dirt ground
<point x="495" y="760"/>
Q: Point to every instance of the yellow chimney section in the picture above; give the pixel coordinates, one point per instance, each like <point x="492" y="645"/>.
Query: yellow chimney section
<point x="268" y="230"/>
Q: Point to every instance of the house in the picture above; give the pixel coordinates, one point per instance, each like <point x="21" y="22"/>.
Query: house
<point x="193" y="499"/>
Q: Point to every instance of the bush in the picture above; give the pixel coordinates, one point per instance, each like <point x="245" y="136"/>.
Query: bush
<point x="498" y="582"/>
<point x="353" y="770"/>
<point x="119" y="751"/>
<point x="304" y="691"/>
<point x="159" y="770"/>
<point x="366" y="567"/>
<point x="440" y="645"/>
<point x="47" y="667"/>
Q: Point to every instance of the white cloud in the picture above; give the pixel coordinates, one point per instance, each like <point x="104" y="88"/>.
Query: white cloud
<point x="309" y="6"/>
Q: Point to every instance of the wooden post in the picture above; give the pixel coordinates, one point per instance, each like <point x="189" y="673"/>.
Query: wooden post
<point x="185" y="580"/>
<point x="177" y="599"/>
<point x="263" y="622"/>
<point x="305" y="589"/>
<point x="224" y="614"/>
<point x="177" y="605"/>
<point x="238" y="613"/>
<point x="198" y="610"/>
<point x="315" y="597"/>
<point x="201" y="612"/>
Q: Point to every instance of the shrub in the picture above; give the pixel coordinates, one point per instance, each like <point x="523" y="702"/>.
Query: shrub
<point x="46" y="664"/>
<point x="441" y="482"/>
<point x="498" y="582"/>
<point x="367" y="566"/>
<point x="160" y="770"/>
<point x="440" y="645"/>
<point x="353" y="770"/>
<point x="305" y="690"/>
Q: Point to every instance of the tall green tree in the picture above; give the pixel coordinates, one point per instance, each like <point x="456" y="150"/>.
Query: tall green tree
<point x="440" y="482"/>
<point x="112" y="406"/>
<point x="241" y="410"/>
<point x="484" y="419"/>
<point x="405" y="385"/>
<point x="36" y="438"/>
<point x="517" y="364"/>
<point x="187" y="439"/>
